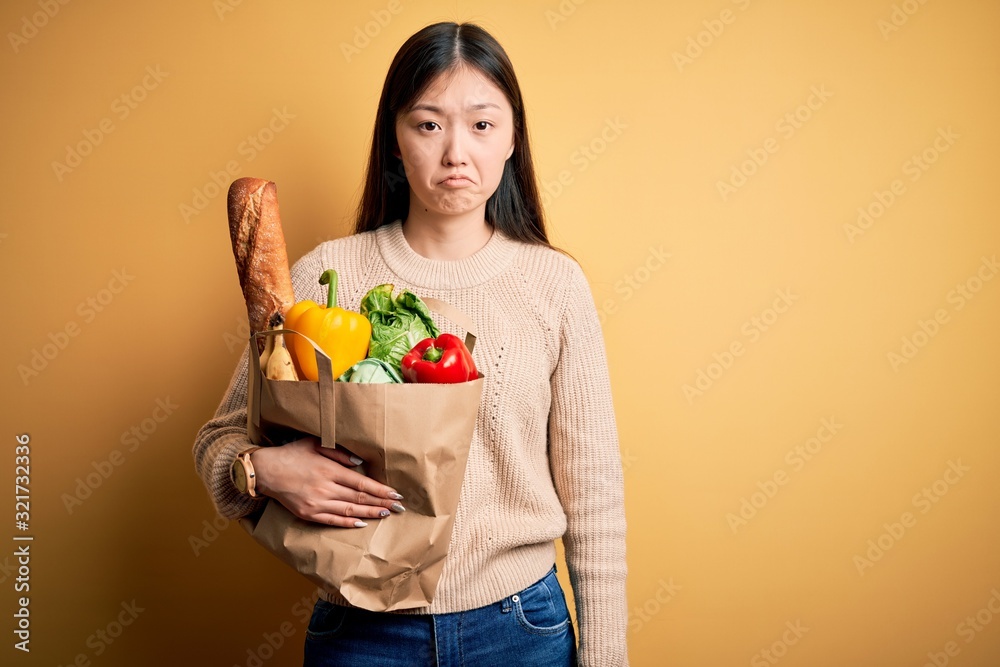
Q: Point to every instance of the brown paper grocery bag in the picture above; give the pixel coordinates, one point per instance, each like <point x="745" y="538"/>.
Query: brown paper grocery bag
<point x="412" y="437"/>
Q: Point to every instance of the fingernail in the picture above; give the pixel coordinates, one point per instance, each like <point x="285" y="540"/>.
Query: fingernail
<point x="360" y="524"/>
<point x="396" y="507"/>
<point x="395" y="496"/>
<point x="384" y="513"/>
<point x="356" y="461"/>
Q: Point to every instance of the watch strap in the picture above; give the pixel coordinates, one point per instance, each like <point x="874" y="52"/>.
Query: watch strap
<point x="251" y="475"/>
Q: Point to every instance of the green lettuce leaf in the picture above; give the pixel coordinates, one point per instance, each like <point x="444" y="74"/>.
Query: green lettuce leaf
<point x="397" y="323"/>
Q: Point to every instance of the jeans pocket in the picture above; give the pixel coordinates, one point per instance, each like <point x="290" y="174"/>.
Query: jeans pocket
<point x="326" y="621"/>
<point x="541" y="608"/>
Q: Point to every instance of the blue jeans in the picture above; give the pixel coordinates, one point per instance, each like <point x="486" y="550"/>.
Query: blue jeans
<point x="531" y="627"/>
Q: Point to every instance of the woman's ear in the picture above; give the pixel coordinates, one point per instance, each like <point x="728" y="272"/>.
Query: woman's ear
<point x="510" y="152"/>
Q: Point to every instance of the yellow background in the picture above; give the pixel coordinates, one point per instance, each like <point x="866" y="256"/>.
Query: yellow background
<point x="669" y="99"/>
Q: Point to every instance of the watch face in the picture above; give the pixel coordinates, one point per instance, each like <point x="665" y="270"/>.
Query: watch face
<point x="240" y="476"/>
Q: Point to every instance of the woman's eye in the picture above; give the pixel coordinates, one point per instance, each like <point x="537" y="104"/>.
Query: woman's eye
<point x="482" y="125"/>
<point x="428" y="125"/>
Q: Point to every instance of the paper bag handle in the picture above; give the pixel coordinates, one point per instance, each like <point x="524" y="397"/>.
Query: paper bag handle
<point x="456" y="316"/>
<point x="327" y="393"/>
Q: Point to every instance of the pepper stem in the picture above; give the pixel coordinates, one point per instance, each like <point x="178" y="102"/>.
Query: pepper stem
<point x="433" y="354"/>
<point x="329" y="277"/>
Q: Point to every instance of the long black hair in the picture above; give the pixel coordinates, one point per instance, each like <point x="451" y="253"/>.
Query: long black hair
<point x="515" y="208"/>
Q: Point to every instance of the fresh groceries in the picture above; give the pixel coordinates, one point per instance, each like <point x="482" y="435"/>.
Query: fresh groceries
<point x="441" y="360"/>
<point x="391" y="340"/>
<point x="344" y="335"/>
<point x="397" y="323"/>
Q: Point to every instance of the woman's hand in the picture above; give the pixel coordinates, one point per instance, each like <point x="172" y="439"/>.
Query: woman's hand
<point x="317" y="484"/>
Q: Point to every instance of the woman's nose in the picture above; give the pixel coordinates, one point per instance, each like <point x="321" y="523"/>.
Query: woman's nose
<point x="454" y="150"/>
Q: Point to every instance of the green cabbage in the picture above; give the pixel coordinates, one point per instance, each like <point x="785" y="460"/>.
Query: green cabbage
<point x="372" y="371"/>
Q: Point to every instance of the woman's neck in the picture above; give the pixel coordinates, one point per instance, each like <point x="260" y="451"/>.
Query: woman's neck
<point x="446" y="237"/>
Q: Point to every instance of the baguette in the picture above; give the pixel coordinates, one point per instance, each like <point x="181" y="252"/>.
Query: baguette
<point x="259" y="249"/>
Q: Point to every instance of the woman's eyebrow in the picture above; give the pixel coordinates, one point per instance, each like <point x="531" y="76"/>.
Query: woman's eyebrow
<point x="471" y="107"/>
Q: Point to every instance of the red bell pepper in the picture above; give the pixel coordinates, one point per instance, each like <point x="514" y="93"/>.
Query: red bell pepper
<point x="441" y="360"/>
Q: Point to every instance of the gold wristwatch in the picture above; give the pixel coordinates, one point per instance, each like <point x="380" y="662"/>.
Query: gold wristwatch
<point x="243" y="475"/>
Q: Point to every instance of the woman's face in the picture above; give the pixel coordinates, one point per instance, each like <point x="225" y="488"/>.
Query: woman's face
<point x="454" y="142"/>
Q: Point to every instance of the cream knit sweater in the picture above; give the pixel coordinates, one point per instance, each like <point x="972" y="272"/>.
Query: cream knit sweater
<point x="544" y="461"/>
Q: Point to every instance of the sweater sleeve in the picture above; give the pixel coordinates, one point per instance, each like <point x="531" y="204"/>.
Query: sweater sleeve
<point x="225" y="435"/>
<point x="586" y="468"/>
<point x="219" y="441"/>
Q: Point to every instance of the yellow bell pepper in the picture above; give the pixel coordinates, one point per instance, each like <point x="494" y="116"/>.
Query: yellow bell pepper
<point x="342" y="334"/>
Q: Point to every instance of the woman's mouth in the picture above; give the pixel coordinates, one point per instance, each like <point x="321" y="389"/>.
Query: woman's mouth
<point x="456" y="181"/>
